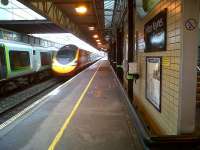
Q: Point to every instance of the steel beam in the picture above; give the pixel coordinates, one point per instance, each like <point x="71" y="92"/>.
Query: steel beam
<point x="48" y="9"/>
<point x="131" y="47"/>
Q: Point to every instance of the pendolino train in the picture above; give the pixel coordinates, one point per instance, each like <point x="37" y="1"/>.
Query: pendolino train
<point x="19" y="60"/>
<point x="70" y="58"/>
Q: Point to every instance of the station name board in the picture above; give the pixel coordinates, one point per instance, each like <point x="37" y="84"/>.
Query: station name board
<point x="155" y="33"/>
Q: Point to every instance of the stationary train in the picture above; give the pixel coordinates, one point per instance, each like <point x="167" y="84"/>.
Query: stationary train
<point x="19" y="60"/>
<point x="68" y="59"/>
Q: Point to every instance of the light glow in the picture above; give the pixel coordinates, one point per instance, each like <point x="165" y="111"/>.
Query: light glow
<point x="95" y="36"/>
<point x="81" y="9"/>
<point x="98" y="40"/>
<point x="91" y="28"/>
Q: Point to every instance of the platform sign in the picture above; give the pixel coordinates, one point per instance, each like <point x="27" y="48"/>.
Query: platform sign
<point x="155" y="33"/>
<point x="153" y="81"/>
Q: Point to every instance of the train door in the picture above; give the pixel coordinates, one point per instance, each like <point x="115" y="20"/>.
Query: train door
<point x="2" y="63"/>
<point x="34" y="60"/>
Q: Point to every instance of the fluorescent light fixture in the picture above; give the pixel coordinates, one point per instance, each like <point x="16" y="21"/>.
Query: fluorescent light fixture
<point x="81" y="9"/>
<point x="91" y="28"/>
<point x="95" y="36"/>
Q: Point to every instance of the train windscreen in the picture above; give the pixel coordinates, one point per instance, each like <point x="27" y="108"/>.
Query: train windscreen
<point x="65" y="55"/>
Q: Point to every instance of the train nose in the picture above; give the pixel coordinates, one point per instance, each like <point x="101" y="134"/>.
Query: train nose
<point x="64" y="69"/>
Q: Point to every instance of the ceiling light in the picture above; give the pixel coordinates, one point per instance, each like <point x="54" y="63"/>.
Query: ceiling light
<point x="91" y="28"/>
<point x="98" y="40"/>
<point x="99" y="43"/>
<point x="81" y="9"/>
<point x="95" y="36"/>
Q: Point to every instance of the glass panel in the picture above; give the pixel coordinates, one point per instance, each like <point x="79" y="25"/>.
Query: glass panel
<point x="149" y="4"/>
<point x="19" y="60"/>
<point x="2" y="64"/>
<point x="65" y="55"/>
<point x="45" y="58"/>
<point x="17" y="11"/>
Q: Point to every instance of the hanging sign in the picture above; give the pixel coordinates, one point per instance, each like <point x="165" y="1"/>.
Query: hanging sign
<point x="155" y="33"/>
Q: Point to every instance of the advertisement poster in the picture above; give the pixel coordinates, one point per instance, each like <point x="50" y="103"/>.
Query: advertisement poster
<point x="153" y="81"/>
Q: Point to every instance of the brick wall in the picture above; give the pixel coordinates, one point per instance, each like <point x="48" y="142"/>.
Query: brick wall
<point x="165" y="122"/>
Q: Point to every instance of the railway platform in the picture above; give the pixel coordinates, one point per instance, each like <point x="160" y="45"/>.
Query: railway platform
<point x="85" y="113"/>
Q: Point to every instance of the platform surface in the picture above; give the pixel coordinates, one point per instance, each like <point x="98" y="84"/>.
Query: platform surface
<point x="100" y="122"/>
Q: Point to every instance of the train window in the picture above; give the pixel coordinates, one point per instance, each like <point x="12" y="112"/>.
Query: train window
<point x="2" y="63"/>
<point x="19" y="60"/>
<point x="45" y="58"/>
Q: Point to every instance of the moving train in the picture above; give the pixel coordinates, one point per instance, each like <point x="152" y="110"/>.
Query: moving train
<point x="68" y="59"/>
<point x="19" y="60"/>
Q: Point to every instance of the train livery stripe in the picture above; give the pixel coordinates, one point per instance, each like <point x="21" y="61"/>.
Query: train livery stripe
<point x="69" y="118"/>
<point x="7" y="61"/>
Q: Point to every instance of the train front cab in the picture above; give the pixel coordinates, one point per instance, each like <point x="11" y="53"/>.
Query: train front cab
<point x="2" y="63"/>
<point x="65" y="69"/>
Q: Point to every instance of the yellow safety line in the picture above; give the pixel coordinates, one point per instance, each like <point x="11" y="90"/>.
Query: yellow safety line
<point x="68" y="119"/>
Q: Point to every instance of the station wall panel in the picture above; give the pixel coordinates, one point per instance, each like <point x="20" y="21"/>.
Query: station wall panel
<point x="166" y="121"/>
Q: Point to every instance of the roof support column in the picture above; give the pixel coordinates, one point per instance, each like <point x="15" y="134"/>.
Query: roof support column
<point x="131" y="39"/>
<point x="119" y="54"/>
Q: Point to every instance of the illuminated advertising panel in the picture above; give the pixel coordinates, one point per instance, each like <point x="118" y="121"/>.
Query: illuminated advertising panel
<point x="155" y="33"/>
<point x="153" y="81"/>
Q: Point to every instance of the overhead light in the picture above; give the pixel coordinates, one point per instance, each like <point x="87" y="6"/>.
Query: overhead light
<point x="99" y="43"/>
<point x="91" y="28"/>
<point x="81" y="9"/>
<point x="95" y="36"/>
<point x="98" y="40"/>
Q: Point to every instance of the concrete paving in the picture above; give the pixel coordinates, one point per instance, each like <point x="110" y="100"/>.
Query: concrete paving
<point x="100" y="123"/>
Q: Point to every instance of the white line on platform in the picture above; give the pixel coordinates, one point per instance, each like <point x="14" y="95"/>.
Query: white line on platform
<point x="27" y="109"/>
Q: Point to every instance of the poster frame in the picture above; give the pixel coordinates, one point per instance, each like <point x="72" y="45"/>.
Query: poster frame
<point x="146" y="83"/>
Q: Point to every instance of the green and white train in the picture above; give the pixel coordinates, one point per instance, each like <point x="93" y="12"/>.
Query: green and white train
<point x="19" y="60"/>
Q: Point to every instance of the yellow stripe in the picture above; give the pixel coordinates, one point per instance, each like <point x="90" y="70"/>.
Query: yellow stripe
<point x="67" y="121"/>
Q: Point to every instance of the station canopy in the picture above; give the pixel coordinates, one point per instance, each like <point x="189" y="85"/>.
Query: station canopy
<point x="17" y="17"/>
<point x="20" y="16"/>
<point x="67" y="38"/>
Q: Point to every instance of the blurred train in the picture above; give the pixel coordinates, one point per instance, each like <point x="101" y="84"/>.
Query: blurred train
<point x="19" y="60"/>
<point x="68" y="59"/>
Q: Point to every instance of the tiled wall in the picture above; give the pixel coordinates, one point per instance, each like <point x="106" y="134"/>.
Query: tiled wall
<point x="165" y="122"/>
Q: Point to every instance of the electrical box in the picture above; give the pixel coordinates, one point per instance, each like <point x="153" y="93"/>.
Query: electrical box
<point x="133" y="68"/>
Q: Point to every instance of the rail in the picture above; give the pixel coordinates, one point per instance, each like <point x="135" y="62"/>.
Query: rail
<point x="153" y="142"/>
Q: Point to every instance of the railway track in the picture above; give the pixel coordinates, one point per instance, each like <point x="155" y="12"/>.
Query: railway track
<point x="14" y="103"/>
<point x="20" y="99"/>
